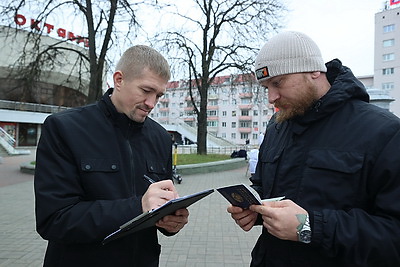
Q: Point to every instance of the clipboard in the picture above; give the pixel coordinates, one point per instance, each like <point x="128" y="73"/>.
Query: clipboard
<point x="149" y="218"/>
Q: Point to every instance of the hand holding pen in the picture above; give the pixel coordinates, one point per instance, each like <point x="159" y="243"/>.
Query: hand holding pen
<point x="158" y="193"/>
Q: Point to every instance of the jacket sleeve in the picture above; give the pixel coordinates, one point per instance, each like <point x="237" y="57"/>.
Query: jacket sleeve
<point x="370" y="235"/>
<point x="63" y="212"/>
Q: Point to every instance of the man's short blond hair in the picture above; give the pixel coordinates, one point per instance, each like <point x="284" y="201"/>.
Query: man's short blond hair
<point x="140" y="57"/>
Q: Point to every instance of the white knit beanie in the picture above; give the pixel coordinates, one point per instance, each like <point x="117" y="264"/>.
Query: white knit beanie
<point x="288" y="52"/>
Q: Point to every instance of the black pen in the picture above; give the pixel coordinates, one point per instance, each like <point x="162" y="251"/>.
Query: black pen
<point x="147" y="178"/>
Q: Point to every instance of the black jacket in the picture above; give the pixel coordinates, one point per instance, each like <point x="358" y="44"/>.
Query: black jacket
<point x="88" y="182"/>
<point x="340" y="162"/>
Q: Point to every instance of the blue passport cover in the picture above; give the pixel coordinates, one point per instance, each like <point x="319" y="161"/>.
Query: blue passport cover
<point x="240" y="195"/>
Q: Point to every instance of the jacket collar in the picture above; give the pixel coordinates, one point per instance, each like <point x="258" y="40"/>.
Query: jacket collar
<point x="344" y="87"/>
<point x="120" y="120"/>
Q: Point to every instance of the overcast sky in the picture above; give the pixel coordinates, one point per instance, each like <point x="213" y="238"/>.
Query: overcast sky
<point x="343" y="29"/>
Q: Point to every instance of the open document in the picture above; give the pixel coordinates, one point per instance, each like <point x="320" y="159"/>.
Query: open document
<point x="242" y="195"/>
<point x="150" y="218"/>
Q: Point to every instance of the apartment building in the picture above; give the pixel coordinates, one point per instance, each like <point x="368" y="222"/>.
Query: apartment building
<point x="237" y="110"/>
<point x="387" y="54"/>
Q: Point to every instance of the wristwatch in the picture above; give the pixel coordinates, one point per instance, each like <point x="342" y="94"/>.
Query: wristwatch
<point x="304" y="234"/>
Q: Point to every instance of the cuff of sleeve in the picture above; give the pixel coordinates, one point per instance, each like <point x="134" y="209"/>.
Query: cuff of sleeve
<point x="316" y="224"/>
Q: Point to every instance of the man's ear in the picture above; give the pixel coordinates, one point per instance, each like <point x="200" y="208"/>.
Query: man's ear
<point x="315" y="74"/>
<point x="118" y="79"/>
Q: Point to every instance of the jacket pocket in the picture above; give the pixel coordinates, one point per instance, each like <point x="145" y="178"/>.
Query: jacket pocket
<point x="341" y="161"/>
<point x="331" y="178"/>
<point x="100" y="165"/>
<point x="100" y="176"/>
<point x="157" y="167"/>
<point x="269" y="162"/>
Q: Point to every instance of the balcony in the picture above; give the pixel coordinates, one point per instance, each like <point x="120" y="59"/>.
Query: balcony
<point x="245" y="130"/>
<point x="189" y="119"/>
<point x="164" y="100"/>
<point x="248" y="106"/>
<point x="212" y="118"/>
<point x="188" y="108"/>
<point x="245" y="95"/>
<point x="245" y="118"/>
<point x="163" y="109"/>
<point x="212" y="107"/>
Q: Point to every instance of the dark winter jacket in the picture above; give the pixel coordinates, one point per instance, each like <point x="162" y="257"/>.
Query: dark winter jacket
<point x="340" y="162"/>
<point x="89" y="181"/>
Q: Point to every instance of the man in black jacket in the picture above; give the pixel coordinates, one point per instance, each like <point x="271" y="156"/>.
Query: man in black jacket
<point x="90" y="166"/>
<point x="335" y="158"/>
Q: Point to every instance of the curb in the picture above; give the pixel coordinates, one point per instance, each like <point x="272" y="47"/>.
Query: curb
<point x="215" y="166"/>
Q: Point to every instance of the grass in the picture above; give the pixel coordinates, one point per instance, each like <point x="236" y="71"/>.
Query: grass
<point x="183" y="159"/>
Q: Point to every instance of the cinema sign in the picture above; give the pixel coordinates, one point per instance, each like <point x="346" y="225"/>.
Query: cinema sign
<point x="21" y="20"/>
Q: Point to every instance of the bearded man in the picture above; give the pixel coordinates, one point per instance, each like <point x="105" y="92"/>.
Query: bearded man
<point x="335" y="158"/>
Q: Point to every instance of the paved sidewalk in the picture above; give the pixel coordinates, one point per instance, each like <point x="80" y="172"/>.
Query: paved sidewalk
<point x="210" y="239"/>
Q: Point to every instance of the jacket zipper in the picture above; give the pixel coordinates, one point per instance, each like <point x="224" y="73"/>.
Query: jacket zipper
<point x="131" y="167"/>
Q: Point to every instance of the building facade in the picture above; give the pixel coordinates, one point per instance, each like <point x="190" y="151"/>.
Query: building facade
<point x="237" y="110"/>
<point x="387" y="54"/>
<point x="25" y="101"/>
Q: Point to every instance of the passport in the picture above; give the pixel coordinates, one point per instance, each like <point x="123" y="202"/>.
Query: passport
<point x="242" y="195"/>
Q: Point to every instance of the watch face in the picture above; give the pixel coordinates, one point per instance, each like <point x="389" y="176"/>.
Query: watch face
<point x="305" y="236"/>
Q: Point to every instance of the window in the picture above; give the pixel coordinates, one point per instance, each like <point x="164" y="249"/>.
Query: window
<point x="213" y="103"/>
<point x="255" y="124"/>
<point x="245" y="101"/>
<point x="233" y="124"/>
<point x="388" y="86"/>
<point x="223" y="124"/>
<point x="223" y="113"/>
<point x="233" y="135"/>
<point x="388" y="43"/>
<point x="388" y="57"/>
<point x="255" y="136"/>
<point x="245" y="124"/>
<point x="255" y="112"/>
<point x="223" y="135"/>
<point x="388" y="28"/>
<point x="234" y="102"/>
<point x="246" y="90"/>
<point x="234" y="113"/>
<point x="387" y="71"/>
<point x="244" y="136"/>
<point x="211" y="113"/>
<point x="212" y="123"/>
<point x="245" y="112"/>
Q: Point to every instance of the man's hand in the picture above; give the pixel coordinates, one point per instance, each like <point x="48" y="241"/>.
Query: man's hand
<point x="244" y="218"/>
<point x="157" y="194"/>
<point x="174" y="223"/>
<point x="280" y="218"/>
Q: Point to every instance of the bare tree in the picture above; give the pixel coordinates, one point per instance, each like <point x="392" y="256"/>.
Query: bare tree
<point x="99" y="19"/>
<point x="217" y="36"/>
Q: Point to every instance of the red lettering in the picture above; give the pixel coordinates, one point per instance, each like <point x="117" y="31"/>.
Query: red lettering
<point x="35" y="24"/>
<point x="71" y="36"/>
<point x="62" y="33"/>
<point x="49" y="27"/>
<point x="20" y="19"/>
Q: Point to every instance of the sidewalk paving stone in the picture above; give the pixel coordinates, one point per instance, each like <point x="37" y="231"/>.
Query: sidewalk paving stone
<point x="211" y="238"/>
